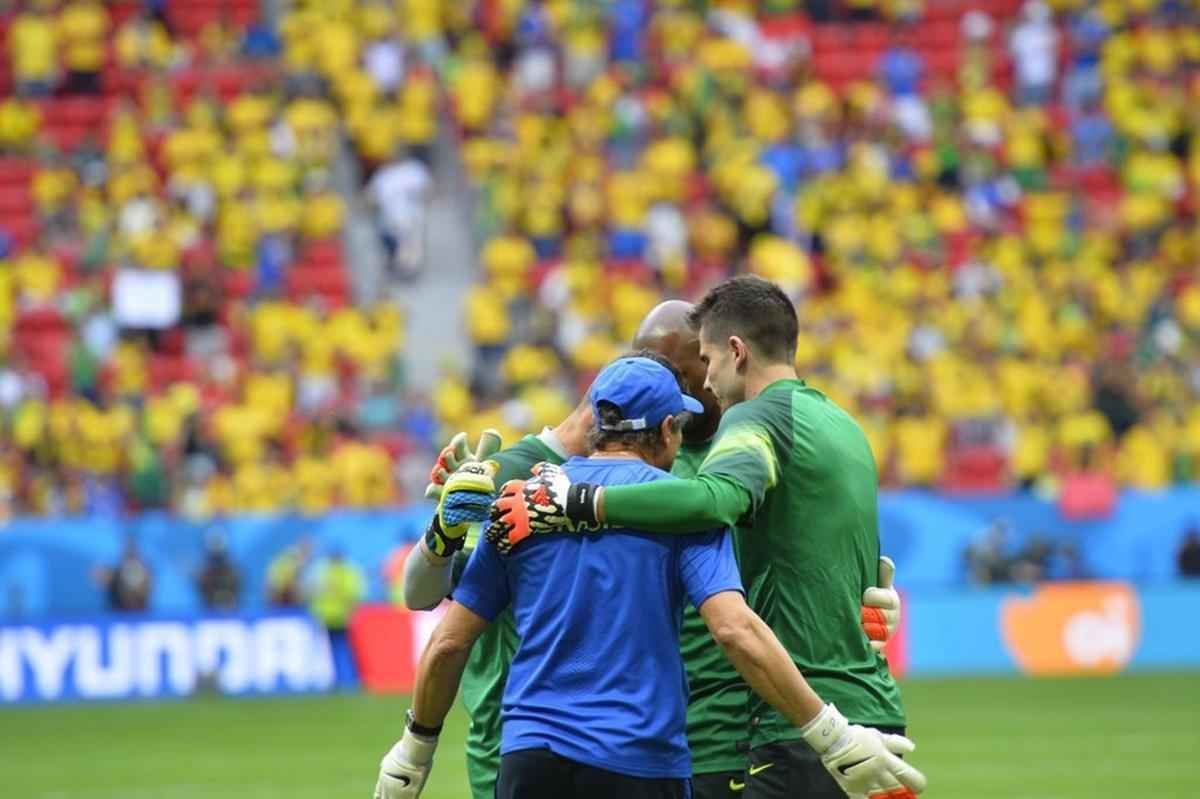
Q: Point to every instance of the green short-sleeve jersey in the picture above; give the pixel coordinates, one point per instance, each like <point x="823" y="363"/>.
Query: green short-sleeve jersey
<point x="717" y="717"/>
<point x="487" y="666"/>
<point x="809" y="545"/>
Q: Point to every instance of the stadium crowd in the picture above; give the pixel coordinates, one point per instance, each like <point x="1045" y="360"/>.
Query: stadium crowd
<point x="177" y="331"/>
<point x="986" y="218"/>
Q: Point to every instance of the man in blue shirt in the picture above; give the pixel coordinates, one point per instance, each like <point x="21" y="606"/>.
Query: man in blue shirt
<point x="595" y="703"/>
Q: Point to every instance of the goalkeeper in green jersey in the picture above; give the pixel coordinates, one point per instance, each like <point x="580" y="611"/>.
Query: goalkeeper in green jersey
<point x="718" y="716"/>
<point x="795" y="477"/>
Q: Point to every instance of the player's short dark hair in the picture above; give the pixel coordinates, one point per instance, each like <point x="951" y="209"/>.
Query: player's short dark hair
<point x="644" y="441"/>
<point x="755" y="310"/>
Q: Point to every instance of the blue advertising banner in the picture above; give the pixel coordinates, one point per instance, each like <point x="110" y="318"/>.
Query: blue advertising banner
<point x="47" y="565"/>
<point x="138" y="657"/>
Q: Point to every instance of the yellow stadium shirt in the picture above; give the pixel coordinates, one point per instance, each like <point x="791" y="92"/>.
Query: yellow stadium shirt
<point x="920" y="442"/>
<point x="103" y="435"/>
<point x="323" y="213"/>
<point x="83" y="27"/>
<point x="1142" y="460"/>
<point x="33" y="43"/>
<point x="163" y="420"/>
<point x="270" y="392"/>
<point x="38" y="276"/>
<point x="488" y="321"/>
<point x="1031" y="453"/>
<point x="51" y="187"/>
<point x="29" y="424"/>
<point x="315" y="480"/>
<point x="256" y="488"/>
<point x="19" y="121"/>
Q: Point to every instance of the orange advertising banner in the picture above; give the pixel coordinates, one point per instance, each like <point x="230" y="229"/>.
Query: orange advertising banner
<point x="1072" y="628"/>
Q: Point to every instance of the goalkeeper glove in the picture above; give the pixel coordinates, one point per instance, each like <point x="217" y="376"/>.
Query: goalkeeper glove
<point x="465" y="500"/>
<point x="455" y="454"/>
<point x="405" y="768"/>
<point x="863" y="761"/>
<point x="547" y="503"/>
<point x="881" y="607"/>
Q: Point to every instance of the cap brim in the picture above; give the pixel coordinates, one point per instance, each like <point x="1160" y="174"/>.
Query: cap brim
<point x="692" y="405"/>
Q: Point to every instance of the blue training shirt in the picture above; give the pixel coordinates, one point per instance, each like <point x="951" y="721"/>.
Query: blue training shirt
<point x="598" y="677"/>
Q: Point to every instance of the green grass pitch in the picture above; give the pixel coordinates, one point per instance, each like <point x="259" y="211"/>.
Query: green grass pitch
<point x="1133" y="736"/>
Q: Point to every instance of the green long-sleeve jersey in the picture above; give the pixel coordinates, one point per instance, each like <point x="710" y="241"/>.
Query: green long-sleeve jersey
<point x="487" y="666"/>
<point x="793" y="474"/>
<point x="717" y="715"/>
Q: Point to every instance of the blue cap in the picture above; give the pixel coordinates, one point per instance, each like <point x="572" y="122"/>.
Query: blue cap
<point x="644" y="391"/>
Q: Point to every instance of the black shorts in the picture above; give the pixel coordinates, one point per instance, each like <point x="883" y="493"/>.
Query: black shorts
<point x="541" y="774"/>
<point x="787" y="769"/>
<point x="719" y="785"/>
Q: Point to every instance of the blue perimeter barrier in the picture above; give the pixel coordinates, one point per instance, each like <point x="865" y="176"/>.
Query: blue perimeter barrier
<point x="46" y="565"/>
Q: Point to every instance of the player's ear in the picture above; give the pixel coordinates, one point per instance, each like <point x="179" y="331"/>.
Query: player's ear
<point x="665" y="429"/>
<point x="741" y="352"/>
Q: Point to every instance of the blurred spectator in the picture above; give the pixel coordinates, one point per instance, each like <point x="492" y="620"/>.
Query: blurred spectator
<point x="988" y="559"/>
<point x="1034" y="48"/>
<point x="260" y="42"/>
<point x="142" y="41"/>
<point x="901" y="70"/>
<point x="384" y="61"/>
<point x="1084" y="82"/>
<point x="83" y="30"/>
<point x="129" y="582"/>
<point x="338" y="586"/>
<point x="1032" y="563"/>
<point x="218" y="582"/>
<point x="1189" y="554"/>
<point x="1066" y="563"/>
<point x="399" y="193"/>
<point x="33" y="43"/>
<point x="285" y="575"/>
<point x="1093" y="137"/>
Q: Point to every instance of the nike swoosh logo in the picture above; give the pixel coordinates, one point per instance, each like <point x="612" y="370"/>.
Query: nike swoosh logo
<point x="735" y="786"/>
<point x="404" y="779"/>
<point x="756" y="769"/>
<point x="847" y="766"/>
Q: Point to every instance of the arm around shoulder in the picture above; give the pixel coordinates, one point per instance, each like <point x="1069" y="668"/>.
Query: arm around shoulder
<point x="427" y="578"/>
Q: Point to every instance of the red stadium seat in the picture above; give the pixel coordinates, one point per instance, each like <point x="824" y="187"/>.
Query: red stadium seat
<point x="23" y="230"/>
<point x="15" y="200"/>
<point x="238" y="283"/>
<point x="977" y="469"/>
<point x="16" y="171"/>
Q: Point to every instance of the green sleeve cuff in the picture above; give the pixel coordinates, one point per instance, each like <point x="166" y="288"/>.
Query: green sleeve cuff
<point x="677" y="506"/>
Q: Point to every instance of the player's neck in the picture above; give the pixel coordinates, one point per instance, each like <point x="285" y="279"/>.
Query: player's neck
<point x="759" y="379"/>
<point x="620" y="454"/>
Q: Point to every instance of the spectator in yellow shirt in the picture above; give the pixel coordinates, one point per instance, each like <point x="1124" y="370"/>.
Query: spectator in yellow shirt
<point x="364" y="475"/>
<point x="143" y="42"/>
<point x="83" y="30"/>
<point x="33" y="53"/>
<point x="315" y="480"/>
<point x="19" y="123"/>
<point x="38" y="278"/>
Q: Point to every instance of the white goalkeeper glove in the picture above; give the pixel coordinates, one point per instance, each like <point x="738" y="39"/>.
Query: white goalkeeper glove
<point x="405" y="768"/>
<point x="881" y="607"/>
<point x="457" y="453"/>
<point x="864" y="761"/>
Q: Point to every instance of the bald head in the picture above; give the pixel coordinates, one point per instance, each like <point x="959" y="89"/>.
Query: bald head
<point x="665" y="319"/>
<point x="665" y="330"/>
